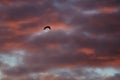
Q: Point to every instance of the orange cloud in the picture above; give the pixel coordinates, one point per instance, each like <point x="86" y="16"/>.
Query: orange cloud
<point x="108" y="10"/>
<point x="87" y="51"/>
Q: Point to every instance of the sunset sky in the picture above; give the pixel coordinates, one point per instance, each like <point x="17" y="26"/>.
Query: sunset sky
<point x="84" y="43"/>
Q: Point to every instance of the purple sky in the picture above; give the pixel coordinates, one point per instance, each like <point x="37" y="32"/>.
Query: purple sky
<point x="84" y="43"/>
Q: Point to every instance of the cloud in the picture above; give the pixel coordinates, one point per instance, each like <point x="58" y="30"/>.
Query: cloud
<point x="72" y="74"/>
<point x="78" y="74"/>
<point x="84" y="33"/>
<point x="116" y="77"/>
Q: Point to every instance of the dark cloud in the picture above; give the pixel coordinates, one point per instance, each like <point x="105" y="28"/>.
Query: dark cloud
<point x="100" y="18"/>
<point x="5" y="31"/>
<point x="27" y="10"/>
<point x="115" y="77"/>
<point x="26" y="26"/>
<point x="89" y="36"/>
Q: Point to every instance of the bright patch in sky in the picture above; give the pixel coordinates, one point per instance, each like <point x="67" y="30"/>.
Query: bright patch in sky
<point x="12" y="59"/>
<point x="90" y="12"/>
<point x="1" y="75"/>
<point x="104" y="71"/>
<point x="39" y="33"/>
<point x="107" y="71"/>
<point x="34" y="75"/>
<point x="84" y="73"/>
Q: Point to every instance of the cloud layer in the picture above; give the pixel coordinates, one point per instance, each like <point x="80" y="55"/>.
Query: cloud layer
<point x="85" y="34"/>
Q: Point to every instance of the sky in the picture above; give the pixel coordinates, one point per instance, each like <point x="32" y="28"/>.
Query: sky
<point x="83" y="44"/>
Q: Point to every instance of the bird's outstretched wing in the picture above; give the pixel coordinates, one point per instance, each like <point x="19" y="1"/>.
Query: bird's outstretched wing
<point x="47" y="27"/>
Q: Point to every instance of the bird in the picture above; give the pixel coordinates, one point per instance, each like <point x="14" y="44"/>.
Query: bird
<point x="47" y="27"/>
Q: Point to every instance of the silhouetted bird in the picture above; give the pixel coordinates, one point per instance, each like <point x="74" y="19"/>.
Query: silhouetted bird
<point x="47" y="27"/>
